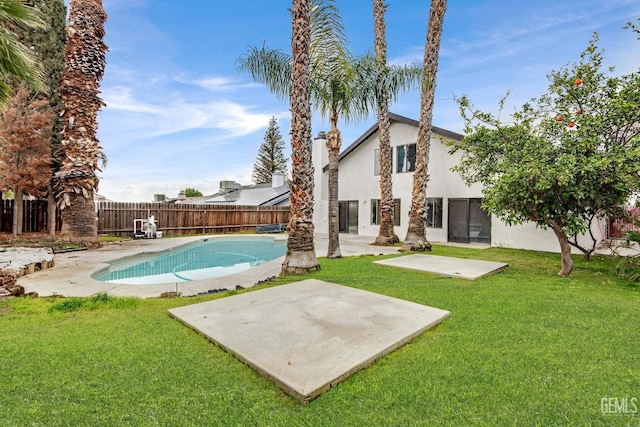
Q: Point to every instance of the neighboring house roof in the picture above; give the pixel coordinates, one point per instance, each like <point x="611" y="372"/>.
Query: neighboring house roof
<point x="397" y="118"/>
<point x="258" y="195"/>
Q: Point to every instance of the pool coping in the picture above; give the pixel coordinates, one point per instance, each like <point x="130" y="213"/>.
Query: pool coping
<point x="71" y="276"/>
<point x="197" y="242"/>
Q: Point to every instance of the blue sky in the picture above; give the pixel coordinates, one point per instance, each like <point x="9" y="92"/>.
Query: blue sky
<point x="179" y="115"/>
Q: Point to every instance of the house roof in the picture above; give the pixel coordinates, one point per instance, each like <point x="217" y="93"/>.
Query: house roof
<point x="397" y="118"/>
<point x="258" y="195"/>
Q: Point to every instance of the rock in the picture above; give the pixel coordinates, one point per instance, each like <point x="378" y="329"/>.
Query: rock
<point x="267" y="280"/>
<point x="213" y="291"/>
<point x="171" y="294"/>
<point x="7" y="278"/>
<point x="15" y="290"/>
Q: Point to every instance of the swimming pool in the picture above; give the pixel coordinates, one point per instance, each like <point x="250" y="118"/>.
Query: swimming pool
<point x="205" y="259"/>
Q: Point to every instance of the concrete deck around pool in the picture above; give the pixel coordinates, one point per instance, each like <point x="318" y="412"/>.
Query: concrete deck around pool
<point x="71" y="275"/>
<point x="308" y="336"/>
<point x="470" y="269"/>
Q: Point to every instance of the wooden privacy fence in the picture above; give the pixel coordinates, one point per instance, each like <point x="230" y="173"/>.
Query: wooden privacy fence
<point x="34" y="216"/>
<point x="116" y="218"/>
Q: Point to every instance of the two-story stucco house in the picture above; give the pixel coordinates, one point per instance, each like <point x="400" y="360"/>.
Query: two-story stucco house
<point x="454" y="209"/>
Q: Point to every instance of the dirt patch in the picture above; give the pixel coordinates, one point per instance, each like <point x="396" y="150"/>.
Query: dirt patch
<point x="27" y="239"/>
<point x="43" y="240"/>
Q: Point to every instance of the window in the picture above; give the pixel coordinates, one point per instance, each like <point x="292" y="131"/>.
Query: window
<point x="376" y="161"/>
<point x="375" y="212"/>
<point x="348" y="216"/>
<point x="406" y="158"/>
<point x="468" y="222"/>
<point x="434" y="212"/>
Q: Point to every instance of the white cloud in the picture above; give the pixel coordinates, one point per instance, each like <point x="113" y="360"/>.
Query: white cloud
<point x="217" y="84"/>
<point x="177" y="115"/>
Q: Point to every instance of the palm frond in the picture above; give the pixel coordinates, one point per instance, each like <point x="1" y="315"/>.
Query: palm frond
<point x="328" y="38"/>
<point x="16" y="60"/>
<point x="378" y="80"/>
<point x="401" y="79"/>
<point x="339" y="82"/>
<point x="15" y="11"/>
<point x="5" y="92"/>
<point x="270" y="67"/>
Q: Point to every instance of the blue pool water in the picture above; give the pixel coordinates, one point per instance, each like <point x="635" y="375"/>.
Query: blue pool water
<point x="205" y="259"/>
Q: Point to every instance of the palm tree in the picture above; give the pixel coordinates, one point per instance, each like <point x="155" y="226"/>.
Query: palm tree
<point x="386" y="235"/>
<point x="341" y="86"/>
<point x="16" y="60"/>
<point x="335" y="94"/>
<point x="301" y="254"/>
<point x="80" y="153"/>
<point x="331" y="73"/>
<point x="416" y="238"/>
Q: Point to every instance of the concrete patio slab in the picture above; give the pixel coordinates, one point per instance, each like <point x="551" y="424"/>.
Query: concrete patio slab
<point x="470" y="269"/>
<point x="309" y="336"/>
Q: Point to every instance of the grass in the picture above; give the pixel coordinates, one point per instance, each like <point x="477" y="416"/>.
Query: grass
<point x="112" y="239"/>
<point x="523" y="347"/>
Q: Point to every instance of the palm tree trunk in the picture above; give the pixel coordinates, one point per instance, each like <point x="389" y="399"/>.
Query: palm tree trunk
<point x="77" y="180"/>
<point x="416" y="238"/>
<point x="386" y="235"/>
<point x="334" y="142"/>
<point x="301" y="256"/>
<point x="80" y="220"/>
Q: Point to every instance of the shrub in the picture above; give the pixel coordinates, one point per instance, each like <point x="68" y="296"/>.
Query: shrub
<point x="629" y="266"/>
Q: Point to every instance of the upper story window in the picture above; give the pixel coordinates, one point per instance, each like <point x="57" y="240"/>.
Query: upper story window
<point x="406" y="158"/>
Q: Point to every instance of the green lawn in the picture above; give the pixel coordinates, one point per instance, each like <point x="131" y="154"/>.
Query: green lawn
<point x="523" y="347"/>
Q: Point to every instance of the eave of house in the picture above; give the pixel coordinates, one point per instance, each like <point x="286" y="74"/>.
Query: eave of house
<point x="396" y="118"/>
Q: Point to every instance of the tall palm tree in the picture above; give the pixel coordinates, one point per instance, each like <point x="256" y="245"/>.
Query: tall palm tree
<point x="80" y="153"/>
<point x="331" y="73"/>
<point x="16" y="60"/>
<point x="301" y="254"/>
<point x="416" y="238"/>
<point x="341" y="86"/>
<point x="386" y="235"/>
<point x="335" y="95"/>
